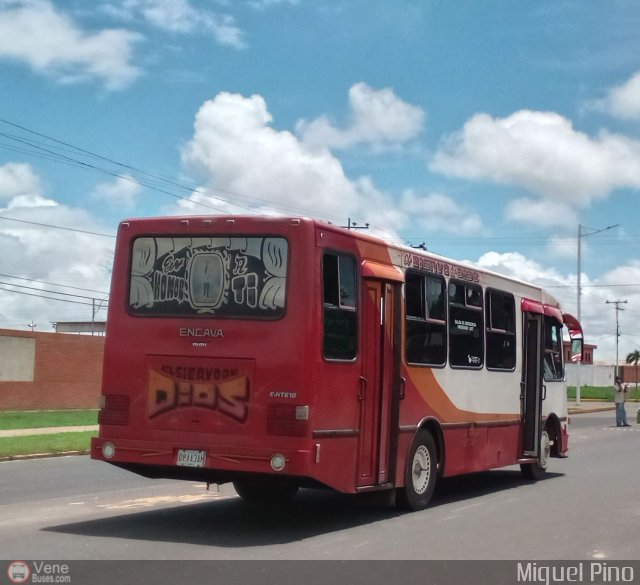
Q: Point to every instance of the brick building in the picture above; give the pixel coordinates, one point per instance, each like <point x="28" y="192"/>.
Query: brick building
<point x="588" y="353"/>
<point x="40" y="371"/>
<point x="629" y="374"/>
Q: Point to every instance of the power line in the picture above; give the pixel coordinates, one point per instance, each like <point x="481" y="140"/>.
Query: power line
<point x="46" y="297"/>
<point x="53" y="284"/>
<point x="520" y="238"/>
<point x="22" y="286"/>
<point x="591" y="285"/>
<point x="63" y="152"/>
<point x="46" y="150"/>
<point x="57" y="227"/>
<point x="93" y="167"/>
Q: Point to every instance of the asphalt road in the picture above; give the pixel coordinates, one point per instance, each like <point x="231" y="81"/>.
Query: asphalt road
<point x="586" y="508"/>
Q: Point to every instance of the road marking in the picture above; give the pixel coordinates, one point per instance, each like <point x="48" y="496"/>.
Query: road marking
<point x="150" y="502"/>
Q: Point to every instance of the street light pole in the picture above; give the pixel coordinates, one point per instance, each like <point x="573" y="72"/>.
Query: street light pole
<point x="579" y="362"/>
<point x="581" y="233"/>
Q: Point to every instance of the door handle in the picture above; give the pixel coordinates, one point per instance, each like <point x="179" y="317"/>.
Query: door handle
<point x="403" y="385"/>
<point x="363" y="388"/>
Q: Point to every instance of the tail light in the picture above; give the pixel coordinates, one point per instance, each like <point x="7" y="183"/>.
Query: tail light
<point x="115" y="410"/>
<point x="289" y="420"/>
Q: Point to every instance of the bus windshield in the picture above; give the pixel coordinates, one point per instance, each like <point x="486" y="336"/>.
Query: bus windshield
<point x="226" y="277"/>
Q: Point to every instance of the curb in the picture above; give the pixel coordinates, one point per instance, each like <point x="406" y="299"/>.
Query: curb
<point x="38" y="431"/>
<point x="588" y="410"/>
<point x="43" y="455"/>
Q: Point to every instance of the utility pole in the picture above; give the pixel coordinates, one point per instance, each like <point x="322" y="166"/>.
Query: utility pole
<point x="618" y="309"/>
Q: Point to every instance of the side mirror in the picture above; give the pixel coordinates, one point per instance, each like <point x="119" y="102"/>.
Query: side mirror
<point x="576" y="336"/>
<point x="577" y="349"/>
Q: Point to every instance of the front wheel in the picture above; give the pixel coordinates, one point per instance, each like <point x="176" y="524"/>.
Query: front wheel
<point x="537" y="469"/>
<point x="420" y="473"/>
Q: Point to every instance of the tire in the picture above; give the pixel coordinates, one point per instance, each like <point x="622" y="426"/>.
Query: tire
<point x="420" y="473"/>
<point x="536" y="470"/>
<point x="266" y="490"/>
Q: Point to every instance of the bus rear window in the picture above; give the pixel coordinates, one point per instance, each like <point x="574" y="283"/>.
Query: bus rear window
<point x="226" y="277"/>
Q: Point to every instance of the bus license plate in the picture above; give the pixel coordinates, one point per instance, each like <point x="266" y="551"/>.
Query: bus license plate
<point x="191" y="458"/>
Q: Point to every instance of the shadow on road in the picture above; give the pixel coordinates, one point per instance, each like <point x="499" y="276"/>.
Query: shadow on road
<point x="233" y="523"/>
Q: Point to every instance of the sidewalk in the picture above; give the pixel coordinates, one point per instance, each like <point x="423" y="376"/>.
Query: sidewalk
<point x="592" y="406"/>
<point x="46" y="431"/>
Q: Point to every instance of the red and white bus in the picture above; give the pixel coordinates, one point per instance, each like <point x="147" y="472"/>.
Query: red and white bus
<point x="276" y="353"/>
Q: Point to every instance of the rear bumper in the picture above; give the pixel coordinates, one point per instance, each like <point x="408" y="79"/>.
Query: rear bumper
<point x="221" y="462"/>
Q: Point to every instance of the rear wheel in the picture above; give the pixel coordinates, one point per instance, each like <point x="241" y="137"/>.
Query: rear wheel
<point x="537" y="469"/>
<point x="266" y="490"/>
<point x="420" y="473"/>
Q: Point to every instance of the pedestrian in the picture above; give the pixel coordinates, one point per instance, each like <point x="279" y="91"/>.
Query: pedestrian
<point x="620" y="396"/>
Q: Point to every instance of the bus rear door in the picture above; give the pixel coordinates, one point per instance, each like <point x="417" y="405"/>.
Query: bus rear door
<point x="379" y="371"/>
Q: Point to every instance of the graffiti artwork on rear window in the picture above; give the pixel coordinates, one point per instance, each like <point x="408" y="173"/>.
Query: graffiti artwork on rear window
<point x="231" y="277"/>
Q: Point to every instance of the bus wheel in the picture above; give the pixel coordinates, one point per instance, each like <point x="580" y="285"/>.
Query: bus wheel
<point x="266" y="490"/>
<point x="420" y="473"/>
<point x="536" y="470"/>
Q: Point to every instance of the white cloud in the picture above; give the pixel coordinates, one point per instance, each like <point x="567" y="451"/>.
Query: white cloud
<point x="250" y="165"/>
<point x="17" y="179"/>
<point x="51" y="42"/>
<point x="40" y="253"/>
<point x="623" y="101"/>
<point x="121" y="193"/>
<point x="235" y="149"/>
<point x="181" y="16"/>
<point x="563" y="246"/>
<point x="543" y="153"/>
<point x="438" y="213"/>
<point x="517" y="266"/>
<point x="541" y="212"/>
<point x="598" y="318"/>
<point x="377" y="117"/>
<point x="30" y="201"/>
<point x="264" y="4"/>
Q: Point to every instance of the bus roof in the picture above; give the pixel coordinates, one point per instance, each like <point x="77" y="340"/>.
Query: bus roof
<point x="207" y="221"/>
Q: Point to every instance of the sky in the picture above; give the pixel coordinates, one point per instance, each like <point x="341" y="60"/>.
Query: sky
<point x="492" y="132"/>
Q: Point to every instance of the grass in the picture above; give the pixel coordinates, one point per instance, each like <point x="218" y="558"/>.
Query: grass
<point x="33" y="419"/>
<point x="603" y="394"/>
<point x="56" y="443"/>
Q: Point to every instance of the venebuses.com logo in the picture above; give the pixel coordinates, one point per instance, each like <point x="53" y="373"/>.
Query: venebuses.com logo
<point x="18" y="572"/>
<point x="38" y="572"/>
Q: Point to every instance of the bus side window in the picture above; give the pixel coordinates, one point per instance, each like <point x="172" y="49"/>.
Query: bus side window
<point x="425" y="322"/>
<point x="501" y="332"/>
<point x="466" y="334"/>
<point x="339" y="284"/>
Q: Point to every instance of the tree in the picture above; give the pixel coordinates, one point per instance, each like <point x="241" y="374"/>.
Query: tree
<point x="633" y="358"/>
